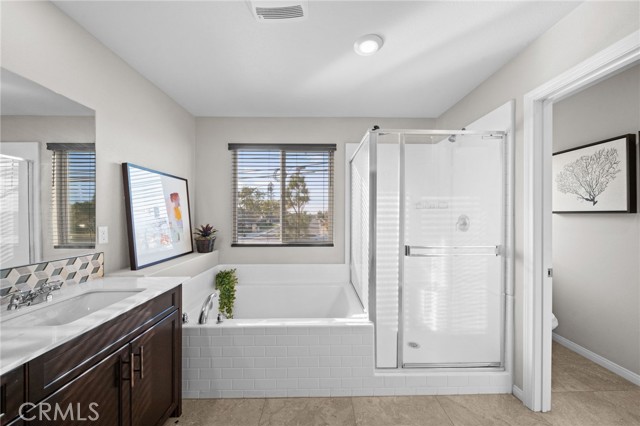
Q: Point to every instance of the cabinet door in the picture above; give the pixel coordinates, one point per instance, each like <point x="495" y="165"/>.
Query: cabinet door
<point x="93" y="398"/>
<point x="155" y="386"/>
<point x="12" y="394"/>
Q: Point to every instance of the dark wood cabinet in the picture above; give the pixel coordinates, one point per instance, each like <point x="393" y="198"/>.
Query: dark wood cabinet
<point x="126" y="372"/>
<point x="12" y="394"/>
<point x="155" y="386"/>
<point x="93" y="398"/>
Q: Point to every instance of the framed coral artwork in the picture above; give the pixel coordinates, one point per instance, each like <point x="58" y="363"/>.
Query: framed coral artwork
<point x="596" y="178"/>
<point x="158" y="216"/>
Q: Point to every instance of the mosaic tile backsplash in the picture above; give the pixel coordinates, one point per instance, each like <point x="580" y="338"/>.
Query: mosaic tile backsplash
<point x="70" y="271"/>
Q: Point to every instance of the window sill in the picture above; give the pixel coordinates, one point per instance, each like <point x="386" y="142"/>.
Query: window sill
<point x="283" y="245"/>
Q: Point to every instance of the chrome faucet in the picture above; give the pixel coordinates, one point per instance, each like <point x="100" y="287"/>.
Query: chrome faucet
<point x="17" y="299"/>
<point x="43" y="294"/>
<point x="206" y="307"/>
<point x="33" y="297"/>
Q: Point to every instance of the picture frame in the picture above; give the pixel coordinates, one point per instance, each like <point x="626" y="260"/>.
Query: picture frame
<point x="158" y="216"/>
<point x="599" y="177"/>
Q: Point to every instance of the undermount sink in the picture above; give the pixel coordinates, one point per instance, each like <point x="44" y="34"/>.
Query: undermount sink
<point x="69" y="310"/>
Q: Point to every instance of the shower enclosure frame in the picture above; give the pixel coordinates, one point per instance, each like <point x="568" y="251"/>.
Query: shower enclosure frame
<point x="371" y="137"/>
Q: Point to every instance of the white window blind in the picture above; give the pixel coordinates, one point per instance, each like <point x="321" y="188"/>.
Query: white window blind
<point x="73" y="195"/>
<point x="9" y="206"/>
<point x="275" y="208"/>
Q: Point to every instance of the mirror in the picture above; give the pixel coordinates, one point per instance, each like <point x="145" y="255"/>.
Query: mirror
<point x="47" y="174"/>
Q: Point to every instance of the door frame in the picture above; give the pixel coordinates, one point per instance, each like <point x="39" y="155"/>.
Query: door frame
<point x="538" y="148"/>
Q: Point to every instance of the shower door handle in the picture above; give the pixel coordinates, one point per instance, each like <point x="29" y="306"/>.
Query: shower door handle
<point x="445" y="251"/>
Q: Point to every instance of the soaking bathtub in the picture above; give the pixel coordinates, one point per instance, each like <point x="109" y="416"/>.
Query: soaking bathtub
<point x="297" y="331"/>
<point x="267" y="298"/>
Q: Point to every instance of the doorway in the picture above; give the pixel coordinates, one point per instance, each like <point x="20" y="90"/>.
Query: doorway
<point x="537" y="297"/>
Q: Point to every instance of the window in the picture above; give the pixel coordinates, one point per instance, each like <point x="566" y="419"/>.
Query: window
<point x="14" y="216"/>
<point x="275" y="208"/>
<point x="73" y="195"/>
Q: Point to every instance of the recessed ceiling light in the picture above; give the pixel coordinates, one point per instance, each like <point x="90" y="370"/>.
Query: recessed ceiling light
<point x="368" y="44"/>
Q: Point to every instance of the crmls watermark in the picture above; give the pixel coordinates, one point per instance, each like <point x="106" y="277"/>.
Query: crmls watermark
<point x="55" y="412"/>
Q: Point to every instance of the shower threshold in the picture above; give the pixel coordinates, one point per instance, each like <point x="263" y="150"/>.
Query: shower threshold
<point x="453" y="365"/>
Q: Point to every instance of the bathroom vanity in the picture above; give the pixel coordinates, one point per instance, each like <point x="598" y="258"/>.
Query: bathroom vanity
<point x="118" y="364"/>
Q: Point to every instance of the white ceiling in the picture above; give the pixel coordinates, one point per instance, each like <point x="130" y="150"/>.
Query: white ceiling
<point x="215" y="59"/>
<point x="20" y="96"/>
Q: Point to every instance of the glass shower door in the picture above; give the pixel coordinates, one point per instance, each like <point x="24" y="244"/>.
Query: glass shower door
<point x="453" y="269"/>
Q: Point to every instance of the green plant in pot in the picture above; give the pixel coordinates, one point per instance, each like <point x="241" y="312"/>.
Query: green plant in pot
<point x="205" y="238"/>
<point x="226" y="281"/>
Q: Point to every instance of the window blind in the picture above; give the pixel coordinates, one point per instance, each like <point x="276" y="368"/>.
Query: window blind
<point x="9" y="204"/>
<point x="73" y="195"/>
<point x="282" y="194"/>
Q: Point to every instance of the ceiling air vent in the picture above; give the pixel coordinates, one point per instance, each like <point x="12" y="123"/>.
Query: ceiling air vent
<point x="277" y="11"/>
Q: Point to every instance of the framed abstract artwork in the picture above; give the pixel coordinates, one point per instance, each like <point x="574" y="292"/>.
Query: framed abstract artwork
<point x="596" y="178"/>
<point x="158" y="216"/>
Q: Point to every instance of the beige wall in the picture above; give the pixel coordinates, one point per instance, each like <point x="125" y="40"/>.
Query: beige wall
<point x="135" y="121"/>
<point x="591" y="27"/>
<point x="596" y="257"/>
<point x="213" y="165"/>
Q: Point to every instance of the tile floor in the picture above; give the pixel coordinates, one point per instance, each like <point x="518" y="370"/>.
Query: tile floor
<point x="585" y="394"/>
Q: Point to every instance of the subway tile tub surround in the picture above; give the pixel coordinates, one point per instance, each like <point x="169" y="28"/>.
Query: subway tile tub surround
<point x="300" y="361"/>
<point x="270" y="355"/>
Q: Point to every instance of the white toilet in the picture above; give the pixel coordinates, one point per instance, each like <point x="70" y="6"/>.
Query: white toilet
<point x="554" y="321"/>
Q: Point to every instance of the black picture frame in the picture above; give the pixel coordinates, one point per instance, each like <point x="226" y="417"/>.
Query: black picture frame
<point x="157" y="231"/>
<point x="630" y="180"/>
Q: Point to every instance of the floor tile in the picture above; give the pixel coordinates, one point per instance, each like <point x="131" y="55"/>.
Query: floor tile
<point x="585" y="394"/>
<point x="624" y="400"/>
<point x="308" y="412"/>
<point x="587" y="409"/>
<point x="399" y="411"/>
<point x="489" y="410"/>
<point x="219" y="412"/>
<point x="562" y="355"/>
<point x="586" y="377"/>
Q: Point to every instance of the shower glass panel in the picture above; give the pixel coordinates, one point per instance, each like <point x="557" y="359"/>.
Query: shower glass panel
<point x="452" y="273"/>
<point x="387" y="249"/>
<point x="360" y="203"/>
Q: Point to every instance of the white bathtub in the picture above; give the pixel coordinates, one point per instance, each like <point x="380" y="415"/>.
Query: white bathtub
<point x="298" y="331"/>
<point x="301" y="294"/>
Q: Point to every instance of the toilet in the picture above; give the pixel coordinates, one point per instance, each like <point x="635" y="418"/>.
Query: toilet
<point x="554" y="321"/>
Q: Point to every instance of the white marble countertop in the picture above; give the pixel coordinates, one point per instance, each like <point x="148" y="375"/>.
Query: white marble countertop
<point x="20" y="344"/>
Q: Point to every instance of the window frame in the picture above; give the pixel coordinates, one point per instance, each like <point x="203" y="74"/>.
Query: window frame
<point x="284" y="149"/>
<point x="60" y="205"/>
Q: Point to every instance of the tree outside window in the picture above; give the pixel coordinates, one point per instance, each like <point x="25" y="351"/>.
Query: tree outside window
<point x="276" y="208"/>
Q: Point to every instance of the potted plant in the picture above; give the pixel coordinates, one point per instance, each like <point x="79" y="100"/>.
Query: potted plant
<point x="205" y="238"/>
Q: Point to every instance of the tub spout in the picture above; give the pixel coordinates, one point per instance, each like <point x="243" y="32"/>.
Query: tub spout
<point x="206" y="307"/>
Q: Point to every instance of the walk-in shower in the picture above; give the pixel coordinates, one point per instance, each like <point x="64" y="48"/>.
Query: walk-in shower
<point x="429" y="238"/>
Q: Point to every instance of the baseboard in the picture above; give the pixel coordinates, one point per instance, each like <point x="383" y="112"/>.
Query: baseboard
<point x="518" y="393"/>
<point x="601" y="361"/>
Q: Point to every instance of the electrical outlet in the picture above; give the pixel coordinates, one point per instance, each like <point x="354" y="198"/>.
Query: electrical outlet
<point x="103" y="234"/>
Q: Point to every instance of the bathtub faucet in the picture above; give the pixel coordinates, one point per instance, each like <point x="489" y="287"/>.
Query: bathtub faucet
<point x="206" y="307"/>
